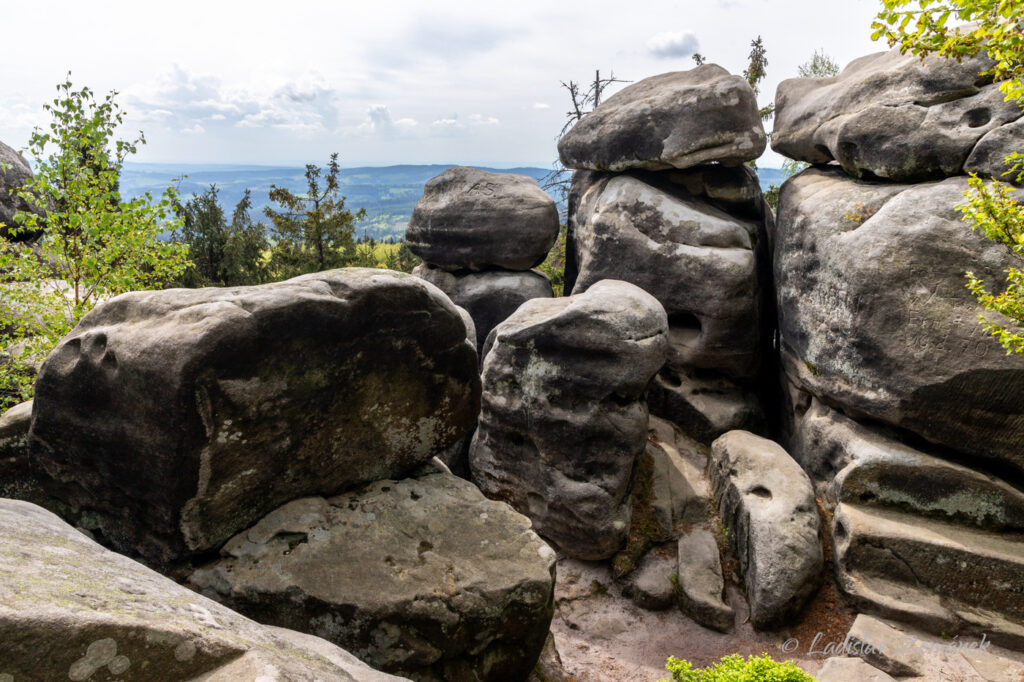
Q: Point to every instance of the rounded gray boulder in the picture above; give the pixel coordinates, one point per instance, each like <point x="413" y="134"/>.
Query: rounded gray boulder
<point x="470" y="219"/>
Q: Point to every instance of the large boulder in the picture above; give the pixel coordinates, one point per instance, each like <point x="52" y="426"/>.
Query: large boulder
<point x="14" y="173"/>
<point x="701" y="263"/>
<point x="874" y="315"/>
<point x="892" y="116"/>
<point x="564" y="418"/>
<point x="422" y="577"/>
<point x="174" y="419"/>
<point x="489" y="296"/>
<point x="470" y="219"/>
<point x="674" y="120"/>
<point x="767" y="503"/>
<point x="70" y="609"/>
<point x="862" y="465"/>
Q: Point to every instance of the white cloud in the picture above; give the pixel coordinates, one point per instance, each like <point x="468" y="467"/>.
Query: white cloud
<point x="541" y="105"/>
<point x="668" y="45"/>
<point x="194" y="130"/>
<point x="218" y="117"/>
<point x="478" y="119"/>
<point x="379" y="121"/>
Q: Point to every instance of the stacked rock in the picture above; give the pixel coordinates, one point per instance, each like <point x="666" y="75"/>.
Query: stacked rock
<point x="902" y="408"/>
<point x="478" y="234"/>
<point x="287" y="425"/>
<point x="663" y="201"/>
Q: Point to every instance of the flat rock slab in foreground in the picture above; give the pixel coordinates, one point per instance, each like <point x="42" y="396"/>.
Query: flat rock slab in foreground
<point x="71" y="610"/>
<point x="178" y="418"/>
<point x="673" y="120"/>
<point x="564" y="416"/>
<point x="767" y="503"/>
<point x="470" y="219"/>
<point x="423" y="577"/>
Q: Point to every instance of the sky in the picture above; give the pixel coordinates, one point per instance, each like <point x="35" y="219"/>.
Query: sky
<point x="383" y="82"/>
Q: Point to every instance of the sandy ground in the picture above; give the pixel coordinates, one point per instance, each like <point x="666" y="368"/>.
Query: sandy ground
<point x="603" y="637"/>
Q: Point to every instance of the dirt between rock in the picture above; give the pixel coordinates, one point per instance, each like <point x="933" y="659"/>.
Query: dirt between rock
<point x="602" y="636"/>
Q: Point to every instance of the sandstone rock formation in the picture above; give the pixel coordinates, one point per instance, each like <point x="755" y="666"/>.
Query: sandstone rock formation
<point x="673" y="120"/>
<point x="490" y="296"/>
<point x="893" y="116"/>
<point x="172" y="420"/>
<point x="874" y="315"/>
<point x="470" y="219"/>
<point x="699" y="581"/>
<point x="767" y="503"/>
<point x="563" y="417"/>
<point x="70" y="609"/>
<point x="11" y="180"/>
<point x="422" y="577"/>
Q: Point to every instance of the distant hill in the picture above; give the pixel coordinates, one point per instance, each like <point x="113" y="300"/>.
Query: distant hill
<point x="388" y="193"/>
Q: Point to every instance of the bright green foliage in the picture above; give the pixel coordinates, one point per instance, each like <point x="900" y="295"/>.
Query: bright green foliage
<point x="222" y="253"/>
<point x="735" y="669"/>
<point x="94" y="245"/>
<point x="554" y="265"/>
<point x="314" y="231"/>
<point x="819" y="66"/>
<point x="992" y="211"/>
<point x="370" y="253"/>
<point x="921" y="28"/>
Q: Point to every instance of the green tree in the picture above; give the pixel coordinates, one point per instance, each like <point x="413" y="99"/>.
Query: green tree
<point x="313" y="231"/>
<point x="94" y="245"/>
<point x="734" y="668"/>
<point x="756" y="71"/>
<point x="921" y="27"/>
<point x="222" y="253"/>
<point x="820" y="65"/>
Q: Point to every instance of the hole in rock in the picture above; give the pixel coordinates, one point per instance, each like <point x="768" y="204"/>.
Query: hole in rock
<point x="840" y="530"/>
<point x="975" y="118"/>
<point x="867" y="496"/>
<point x="684" y="329"/>
<point x="761" y="491"/>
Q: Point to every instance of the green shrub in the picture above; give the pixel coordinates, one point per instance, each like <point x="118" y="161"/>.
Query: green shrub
<point x="734" y="669"/>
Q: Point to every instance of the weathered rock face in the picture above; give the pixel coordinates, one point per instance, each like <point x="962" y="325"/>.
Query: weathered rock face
<point x="861" y="465"/>
<point x="11" y="180"/>
<point x="422" y="576"/>
<point x="20" y="477"/>
<point x="491" y="296"/>
<point x="699" y="581"/>
<point x="698" y="261"/>
<point x="892" y="116"/>
<point x="704" y="404"/>
<point x="767" y="503"/>
<point x="673" y="120"/>
<point x="70" y="609"/>
<point x="563" y="417"/>
<point x="874" y="315"/>
<point x="470" y="219"/>
<point x="989" y="155"/>
<point x="180" y="417"/>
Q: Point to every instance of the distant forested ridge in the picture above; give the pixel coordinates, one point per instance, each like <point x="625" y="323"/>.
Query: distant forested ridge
<point x="388" y="193"/>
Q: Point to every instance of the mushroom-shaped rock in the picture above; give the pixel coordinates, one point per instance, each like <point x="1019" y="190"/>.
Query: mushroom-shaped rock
<point x="767" y="503"/>
<point x="894" y="116"/>
<point x="673" y="120"/>
<point x="423" y="577"/>
<point x="470" y="219"/>
<point x="564" y="418"/>
<point x="875" y="317"/>
<point x="177" y="418"/>
<point x="72" y="610"/>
